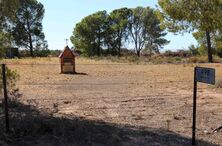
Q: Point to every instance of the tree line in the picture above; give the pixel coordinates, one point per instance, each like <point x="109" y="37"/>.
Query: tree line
<point x="102" y="33"/>
<point x="145" y="28"/>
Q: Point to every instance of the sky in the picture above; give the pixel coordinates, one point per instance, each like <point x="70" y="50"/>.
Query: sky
<point x="62" y="15"/>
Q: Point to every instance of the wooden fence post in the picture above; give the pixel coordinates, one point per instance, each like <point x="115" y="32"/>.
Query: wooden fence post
<point x="5" y="97"/>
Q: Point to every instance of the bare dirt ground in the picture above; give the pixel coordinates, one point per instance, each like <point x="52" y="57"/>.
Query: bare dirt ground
<point x="110" y="103"/>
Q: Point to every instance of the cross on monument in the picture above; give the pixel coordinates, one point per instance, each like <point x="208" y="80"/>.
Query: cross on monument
<point x="66" y="41"/>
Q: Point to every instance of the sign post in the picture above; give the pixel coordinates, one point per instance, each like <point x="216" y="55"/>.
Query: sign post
<point x="204" y="75"/>
<point x="194" y="109"/>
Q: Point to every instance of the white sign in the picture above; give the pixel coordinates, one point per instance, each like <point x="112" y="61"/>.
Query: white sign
<point x="205" y="75"/>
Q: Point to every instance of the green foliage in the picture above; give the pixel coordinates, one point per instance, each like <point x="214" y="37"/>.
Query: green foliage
<point x="117" y="32"/>
<point x="11" y="75"/>
<point x="219" y="51"/>
<point x="202" y="50"/>
<point x="27" y="30"/>
<point x="193" y="50"/>
<point x="88" y="35"/>
<point x="101" y="33"/>
<point x="145" y="30"/>
<point x="5" y="41"/>
<point x="189" y="15"/>
<point x="216" y="38"/>
<point x="7" y="10"/>
<point x="41" y="53"/>
<point x="179" y="53"/>
<point x="55" y="53"/>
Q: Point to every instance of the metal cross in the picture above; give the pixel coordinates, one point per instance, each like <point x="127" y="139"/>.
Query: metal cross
<point x="66" y="41"/>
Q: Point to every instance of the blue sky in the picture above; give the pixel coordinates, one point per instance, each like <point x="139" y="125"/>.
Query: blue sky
<point x="62" y="15"/>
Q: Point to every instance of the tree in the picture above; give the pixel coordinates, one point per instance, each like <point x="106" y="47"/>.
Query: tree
<point x="89" y="34"/>
<point x="99" y="31"/>
<point x="118" y="28"/>
<point x="7" y="10"/>
<point x="27" y="30"/>
<point x="145" y="30"/>
<point x="189" y="15"/>
<point x="216" y="41"/>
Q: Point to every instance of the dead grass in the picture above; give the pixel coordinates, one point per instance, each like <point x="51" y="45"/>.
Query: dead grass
<point x="157" y="97"/>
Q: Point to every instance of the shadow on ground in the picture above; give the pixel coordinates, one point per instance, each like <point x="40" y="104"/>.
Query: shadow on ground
<point x="30" y="126"/>
<point x="77" y="73"/>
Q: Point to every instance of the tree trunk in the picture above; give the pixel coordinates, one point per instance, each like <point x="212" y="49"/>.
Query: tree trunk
<point x="31" y="51"/>
<point x="31" y="46"/>
<point x="98" y="49"/>
<point x="138" y="53"/>
<point x="209" y="49"/>
<point x="98" y="46"/>
<point x="30" y="38"/>
<point x="108" y="49"/>
<point x="119" y="47"/>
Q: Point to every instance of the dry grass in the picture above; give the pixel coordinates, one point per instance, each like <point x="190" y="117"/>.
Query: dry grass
<point x="157" y="97"/>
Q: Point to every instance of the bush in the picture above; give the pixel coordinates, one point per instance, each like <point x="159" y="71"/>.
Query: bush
<point x="134" y="59"/>
<point x="219" y="52"/>
<point x="11" y="75"/>
<point x="55" y="53"/>
<point x="24" y="53"/>
<point x="161" y="59"/>
<point x="198" y="59"/>
<point x="179" y="53"/>
<point x="41" y="53"/>
<point x="193" y="50"/>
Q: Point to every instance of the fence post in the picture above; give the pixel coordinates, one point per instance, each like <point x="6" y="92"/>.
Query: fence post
<point x="5" y="97"/>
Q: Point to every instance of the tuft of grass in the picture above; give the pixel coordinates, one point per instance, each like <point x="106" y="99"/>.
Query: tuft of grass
<point x="217" y="59"/>
<point x="218" y="83"/>
<point x="203" y="59"/>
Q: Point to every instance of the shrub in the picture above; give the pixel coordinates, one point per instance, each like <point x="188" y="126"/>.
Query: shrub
<point x="41" y="53"/>
<point x="179" y="53"/>
<point x="193" y="50"/>
<point x="198" y="59"/>
<point x="178" y="59"/>
<point x="217" y="59"/>
<point x="12" y="77"/>
<point x="134" y="59"/>
<point x="55" y="53"/>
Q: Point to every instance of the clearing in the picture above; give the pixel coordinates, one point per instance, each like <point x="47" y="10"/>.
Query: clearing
<point x="109" y="103"/>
